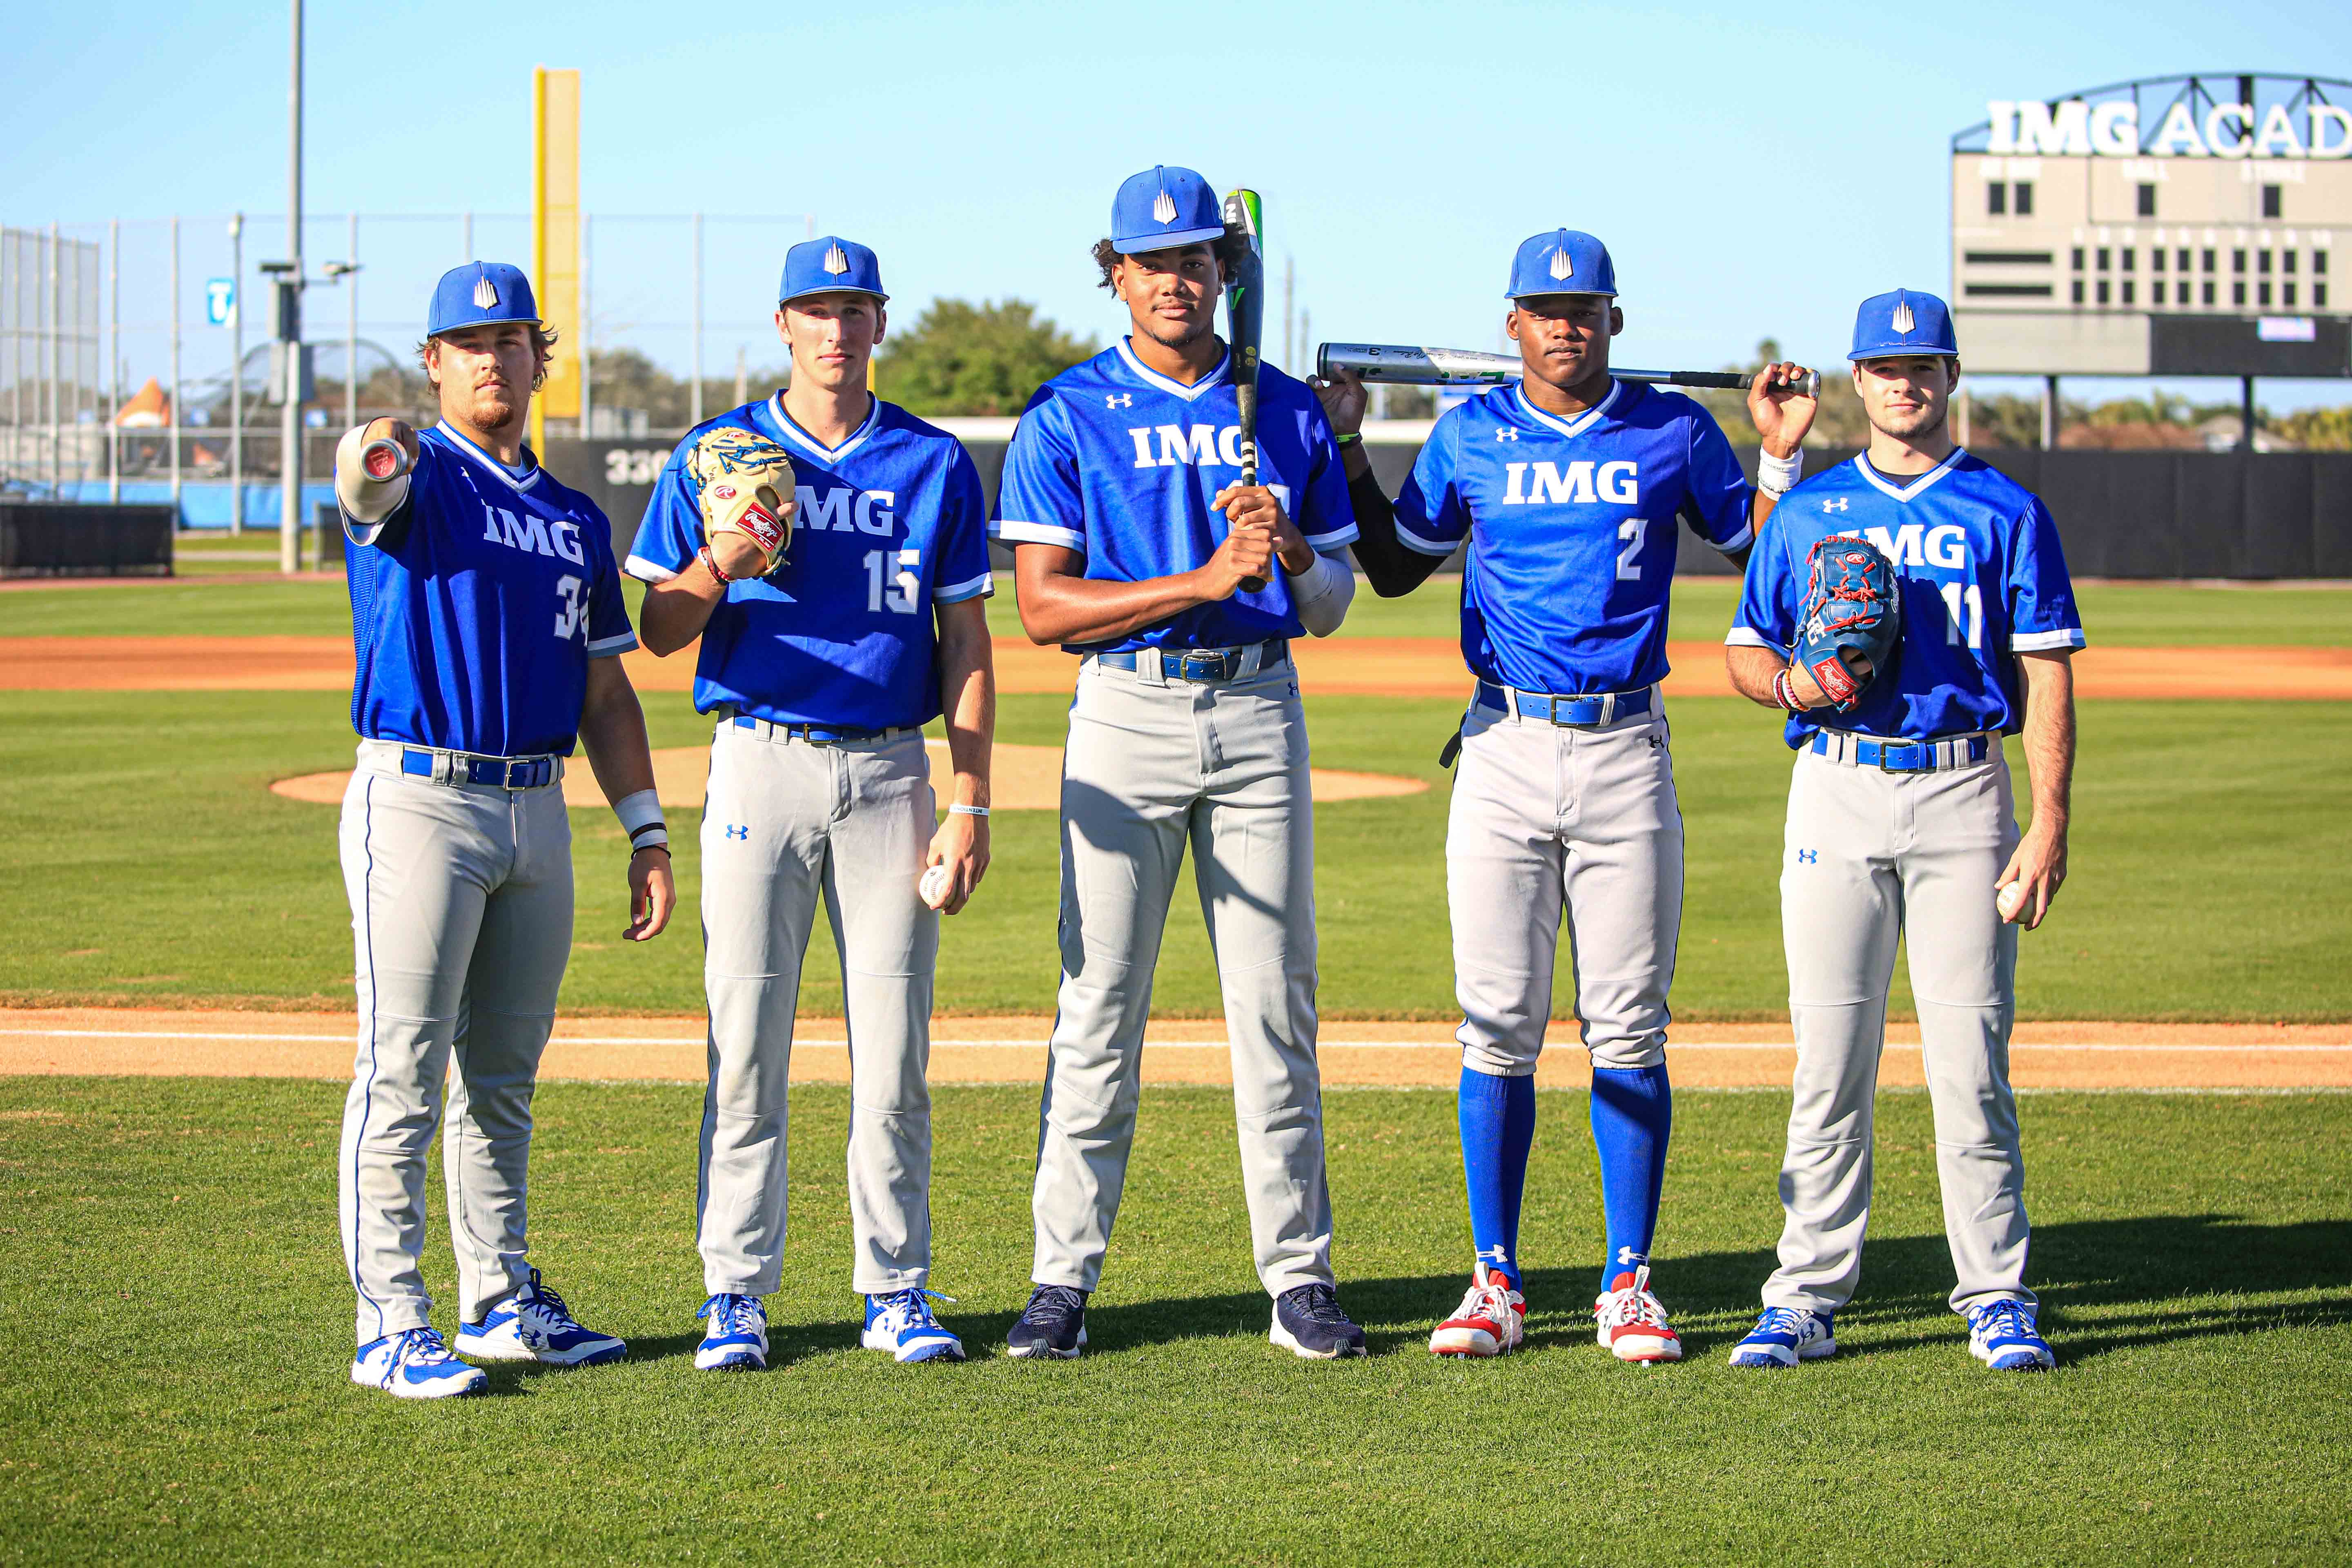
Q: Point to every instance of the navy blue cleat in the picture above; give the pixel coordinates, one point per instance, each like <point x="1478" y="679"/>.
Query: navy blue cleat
<point x="1053" y="1326"/>
<point x="1307" y="1322"/>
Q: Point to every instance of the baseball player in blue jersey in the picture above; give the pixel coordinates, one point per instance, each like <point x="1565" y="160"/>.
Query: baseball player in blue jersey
<point x="1568" y="487"/>
<point x="1133" y="541"/>
<point x="823" y="655"/>
<point x="1901" y="825"/>
<point x="487" y="619"/>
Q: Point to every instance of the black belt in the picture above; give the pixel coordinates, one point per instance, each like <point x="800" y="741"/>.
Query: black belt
<point x="1581" y="712"/>
<point x="1203" y="663"/>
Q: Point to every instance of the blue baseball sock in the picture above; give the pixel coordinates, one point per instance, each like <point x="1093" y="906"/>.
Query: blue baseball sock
<point x="1633" y="1114"/>
<point x="1498" y="1128"/>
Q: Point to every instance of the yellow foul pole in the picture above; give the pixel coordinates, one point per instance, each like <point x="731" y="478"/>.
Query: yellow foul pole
<point x="555" y="240"/>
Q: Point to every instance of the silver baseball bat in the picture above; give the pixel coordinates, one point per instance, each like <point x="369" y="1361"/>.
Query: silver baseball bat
<point x="1405" y="365"/>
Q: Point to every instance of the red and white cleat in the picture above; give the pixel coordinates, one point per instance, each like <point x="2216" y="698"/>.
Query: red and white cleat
<point x="1491" y="1320"/>
<point x="1633" y="1322"/>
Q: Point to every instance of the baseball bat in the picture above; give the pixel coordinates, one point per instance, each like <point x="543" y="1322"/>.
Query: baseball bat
<point x="1246" y="318"/>
<point x="1405" y="365"/>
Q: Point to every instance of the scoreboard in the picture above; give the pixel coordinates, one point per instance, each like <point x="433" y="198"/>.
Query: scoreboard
<point x="2183" y="225"/>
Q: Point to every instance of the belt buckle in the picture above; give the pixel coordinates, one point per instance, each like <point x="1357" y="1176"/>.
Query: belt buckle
<point x="1887" y="767"/>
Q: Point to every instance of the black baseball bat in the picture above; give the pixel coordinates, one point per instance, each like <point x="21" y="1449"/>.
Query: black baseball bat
<point x="1406" y="364"/>
<point x="1245" y="317"/>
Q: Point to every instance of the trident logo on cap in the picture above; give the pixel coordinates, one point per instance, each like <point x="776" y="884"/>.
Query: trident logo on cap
<point x="485" y="296"/>
<point x="1164" y="207"/>
<point x="1903" y="321"/>
<point x="835" y="262"/>
<point x="1561" y="266"/>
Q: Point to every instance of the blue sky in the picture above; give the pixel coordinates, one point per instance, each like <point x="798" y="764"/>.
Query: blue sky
<point x="1755" y="170"/>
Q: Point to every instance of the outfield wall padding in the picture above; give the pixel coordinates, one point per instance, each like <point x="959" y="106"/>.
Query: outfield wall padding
<point x="60" y="539"/>
<point x="2121" y="514"/>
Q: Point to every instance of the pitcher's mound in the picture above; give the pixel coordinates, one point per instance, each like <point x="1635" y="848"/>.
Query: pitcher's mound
<point x="1024" y="778"/>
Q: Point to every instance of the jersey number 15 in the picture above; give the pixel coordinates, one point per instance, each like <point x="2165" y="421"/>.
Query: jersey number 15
<point x="900" y="592"/>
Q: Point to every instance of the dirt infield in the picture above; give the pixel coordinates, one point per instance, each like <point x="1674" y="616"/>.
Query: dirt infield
<point x="2082" y="1056"/>
<point x="1376" y="667"/>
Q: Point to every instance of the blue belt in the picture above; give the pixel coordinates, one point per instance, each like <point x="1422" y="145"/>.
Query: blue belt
<point x="822" y="734"/>
<point x="502" y="773"/>
<point x="1603" y="707"/>
<point x="1901" y="756"/>
<point x="1203" y="663"/>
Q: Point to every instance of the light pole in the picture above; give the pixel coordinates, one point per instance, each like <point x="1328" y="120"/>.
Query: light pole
<point x="291" y="359"/>
<point x="236" y="376"/>
<point x="347" y="273"/>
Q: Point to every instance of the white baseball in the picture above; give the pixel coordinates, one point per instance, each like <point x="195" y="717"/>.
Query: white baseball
<point x="2012" y="899"/>
<point x="935" y="885"/>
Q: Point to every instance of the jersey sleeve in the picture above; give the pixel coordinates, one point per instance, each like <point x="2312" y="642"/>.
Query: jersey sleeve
<point x="1325" y="517"/>
<point x="2043" y="617"/>
<point x="1716" y="496"/>
<point x="671" y="531"/>
<point x="609" y="631"/>
<point x="1767" y="616"/>
<point x="1038" y="500"/>
<point x="962" y="569"/>
<point x="1431" y="517"/>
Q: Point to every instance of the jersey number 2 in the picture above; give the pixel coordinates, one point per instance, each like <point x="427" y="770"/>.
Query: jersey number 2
<point x="886" y="590"/>
<point x="573" y="607"/>
<point x="1628" y="569"/>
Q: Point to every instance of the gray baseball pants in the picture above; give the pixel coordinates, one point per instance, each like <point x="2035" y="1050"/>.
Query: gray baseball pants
<point x="461" y="922"/>
<point x="1547" y="817"/>
<point x="1155" y="764"/>
<point x="788" y="824"/>
<point x="1872" y="857"/>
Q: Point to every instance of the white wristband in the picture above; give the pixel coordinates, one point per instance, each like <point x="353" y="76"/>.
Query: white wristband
<point x="958" y="808"/>
<point x="641" y="819"/>
<point x="1778" y="476"/>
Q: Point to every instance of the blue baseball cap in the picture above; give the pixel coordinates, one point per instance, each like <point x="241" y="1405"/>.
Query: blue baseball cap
<point x="829" y="264"/>
<point x="1162" y="208"/>
<point x="1561" y="262"/>
<point x="1889" y="326"/>
<point x="480" y="294"/>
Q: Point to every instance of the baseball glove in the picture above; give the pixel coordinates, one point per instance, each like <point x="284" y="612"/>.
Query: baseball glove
<point x="1852" y="612"/>
<point x="745" y="482"/>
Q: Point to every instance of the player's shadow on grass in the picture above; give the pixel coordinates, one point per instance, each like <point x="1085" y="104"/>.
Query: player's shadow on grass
<point x="2189" y="1277"/>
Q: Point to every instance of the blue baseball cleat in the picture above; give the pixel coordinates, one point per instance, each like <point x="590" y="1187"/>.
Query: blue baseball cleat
<point x="535" y="1325"/>
<point x="901" y="1322"/>
<point x="1784" y="1336"/>
<point x="415" y="1365"/>
<point x="2002" y="1334"/>
<point x="1053" y="1326"/>
<point x="1307" y="1322"/>
<point x="737" y="1337"/>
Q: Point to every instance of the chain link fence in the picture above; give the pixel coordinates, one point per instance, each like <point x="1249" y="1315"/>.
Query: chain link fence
<point x="134" y="353"/>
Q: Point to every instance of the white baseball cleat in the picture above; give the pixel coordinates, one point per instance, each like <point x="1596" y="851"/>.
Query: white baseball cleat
<point x="1491" y="1320"/>
<point x="736" y="1339"/>
<point x="1631" y="1322"/>
<point x="901" y="1322"/>
<point x="1783" y="1336"/>
<point x="535" y="1325"/>
<point x="415" y="1365"/>
<point x="2006" y="1337"/>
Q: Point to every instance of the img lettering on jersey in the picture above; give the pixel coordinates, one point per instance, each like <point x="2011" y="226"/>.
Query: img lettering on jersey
<point x="1538" y="484"/>
<point x="843" y="509"/>
<point x="558" y="539"/>
<point x="1915" y="544"/>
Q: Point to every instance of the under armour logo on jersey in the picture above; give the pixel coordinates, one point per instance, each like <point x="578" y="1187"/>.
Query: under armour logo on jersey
<point x="1507" y="434"/>
<point x="1903" y="321"/>
<point x="486" y="294"/>
<point x="737" y="830"/>
<point x="1628" y="1258"/>
<point x="1809" y="857"/>
<point x="1119" y="400"/>
<point x="1836" y="505"/>
<point x="1561" y="266"/>
<point x="835" y="262"/>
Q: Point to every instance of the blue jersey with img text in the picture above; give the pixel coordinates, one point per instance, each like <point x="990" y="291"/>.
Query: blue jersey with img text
<point x="477" y="605"/>
<point x="885" y="527"/>
<point x="1118" y="462"/>
<point x="1977" y="559"/>
<point x="1571" y="528"/>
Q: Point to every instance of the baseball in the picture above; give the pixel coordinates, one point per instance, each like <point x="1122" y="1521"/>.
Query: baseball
<point x="2011" y="900"/>
<point x="935" y="885"/>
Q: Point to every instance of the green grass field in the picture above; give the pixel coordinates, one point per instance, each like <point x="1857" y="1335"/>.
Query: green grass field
<point x="152" y="865"/>
<point x="177" y="1326"/>
<point x="2118" y="615"/>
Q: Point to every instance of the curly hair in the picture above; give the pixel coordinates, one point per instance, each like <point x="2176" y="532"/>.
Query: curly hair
<point x="1227" y="248"/>
<point x="542" y="343"/>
